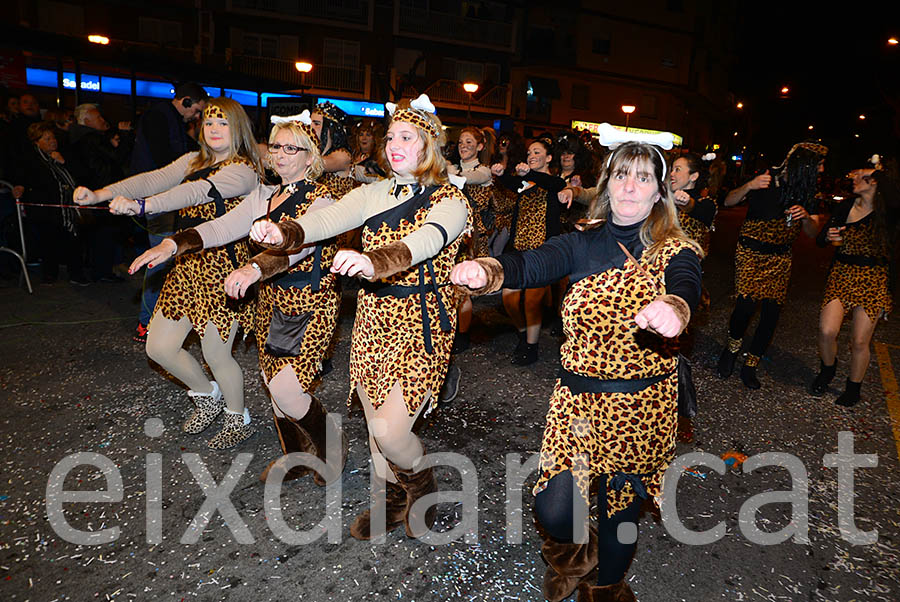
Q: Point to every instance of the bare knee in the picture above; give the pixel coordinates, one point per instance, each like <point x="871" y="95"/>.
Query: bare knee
<point x="859" y="344"/>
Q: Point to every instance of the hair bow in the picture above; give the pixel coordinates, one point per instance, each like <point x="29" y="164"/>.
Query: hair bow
<point x="611" y="137"/>
<point x="303" y="118"/>
<point x="875" y="160"/>
<point x="708" y="157"/>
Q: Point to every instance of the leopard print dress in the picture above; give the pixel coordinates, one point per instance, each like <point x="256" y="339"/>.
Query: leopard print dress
<point x="531" y="219"/>
<point x="859" y="275"/>
<point x="302" y="290"/>
<point x="480" y="197"/>
<point x="503" y="202"/>
<point x="696" y="229"/>
<point x="195" y="286"/>
<point x="594" y="434"/>
<point x="405" y="339"/>
<point x="764" y="272"/>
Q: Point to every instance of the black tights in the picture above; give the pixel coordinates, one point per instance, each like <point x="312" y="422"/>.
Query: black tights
<point x="765" y="330"/>
<point x="553" y="507"/>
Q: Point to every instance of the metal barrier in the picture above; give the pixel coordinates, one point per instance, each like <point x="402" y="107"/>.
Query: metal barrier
<point x="23" y="255"/>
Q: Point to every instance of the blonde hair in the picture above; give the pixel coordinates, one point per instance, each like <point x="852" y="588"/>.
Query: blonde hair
<point x="243" y="144"/>
<point x="662" y="223"/>
<point x="432" y="167"/>
<point x="302" y="140"/>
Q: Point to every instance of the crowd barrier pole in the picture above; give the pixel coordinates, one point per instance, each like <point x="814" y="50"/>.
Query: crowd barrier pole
<point x="21" y="257"/>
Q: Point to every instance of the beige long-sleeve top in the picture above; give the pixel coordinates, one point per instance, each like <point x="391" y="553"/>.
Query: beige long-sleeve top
<point x="358" y="205"/>
<point x="474" y="172"/>
<point x="236" y="224"/>
<point x="164" y="189"/>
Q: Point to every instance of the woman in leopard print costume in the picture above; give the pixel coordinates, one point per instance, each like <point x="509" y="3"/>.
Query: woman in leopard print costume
<point x="859" y="279"/>
<point x="202" y="186"/>
<point x="296" y="313"/>
<point x="763" y="256"/>
<point x="612" y="415"/>
<point x="412" y="225"/>
<point x="535" y="219"/>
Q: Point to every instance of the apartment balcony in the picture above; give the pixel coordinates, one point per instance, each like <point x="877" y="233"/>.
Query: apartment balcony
<point x="345" y="13"/>
<point x="346" y="80"/>
<point x="410" y="19"/>
<point x="449" y="94"/>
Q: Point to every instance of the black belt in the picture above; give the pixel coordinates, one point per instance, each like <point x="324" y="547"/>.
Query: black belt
<point x="381" y="289"/>
<point x="865" y="260"/>
<point x="579" y="384"/>
<point x="301" y="279"/>
<point x="767" y="248"/>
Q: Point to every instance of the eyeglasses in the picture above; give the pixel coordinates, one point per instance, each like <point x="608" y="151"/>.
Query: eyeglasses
<point x="289" y="149"/>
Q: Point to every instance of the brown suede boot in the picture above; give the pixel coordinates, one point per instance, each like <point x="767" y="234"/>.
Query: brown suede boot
<point x="316" y="423"/>
<point x="394" y="499"/>
<point x="617" y="592"/>
<point x="568" y="565"/>
<point x="292" y="439"/>
<point x="416" y="485"/>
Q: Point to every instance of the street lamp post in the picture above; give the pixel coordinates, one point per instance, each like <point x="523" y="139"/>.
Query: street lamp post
<point x="471" y="88"/>
<point x="303" y="67"/>
<point x="628" y="110"/>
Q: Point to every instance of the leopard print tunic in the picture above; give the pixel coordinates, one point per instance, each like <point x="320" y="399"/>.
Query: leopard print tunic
<point x="388" y="344"/>
<point x="760" y="275"/>
<point x="503" y="202"/>
<point x="592" y="434"/>
<point x="695" y="229"/>
<point x="480" y="197"/>
<point x="338" y="185"/>
<point x="195" y="286"/>
<point x="866" y="286"/>
<point x="323" y="305"/>
<point x="531" y="219"/>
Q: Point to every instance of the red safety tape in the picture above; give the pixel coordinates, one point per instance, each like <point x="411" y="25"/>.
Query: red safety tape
<point x="63" y="206"/>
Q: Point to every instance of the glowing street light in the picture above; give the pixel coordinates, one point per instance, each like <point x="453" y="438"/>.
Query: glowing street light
<point x="862" y="117"/>
<point x="810" y="127"/>
<point x="98" y="39"/>
<point x="785" y="90"/>
<point x="470" y="87"/>
<point x="893" y="41"/>
<point x="740" y="105"/>
<point x="303" y="66"/>
<point x="628" y="110"/>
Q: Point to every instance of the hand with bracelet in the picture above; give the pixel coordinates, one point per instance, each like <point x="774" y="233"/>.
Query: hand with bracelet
<point x="241" y="279"/>
<point x="125" y="206"/>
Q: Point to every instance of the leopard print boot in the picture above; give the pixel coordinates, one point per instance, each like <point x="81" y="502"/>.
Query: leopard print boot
<point x="237" y="429"/>
<point x="207" y="406"/>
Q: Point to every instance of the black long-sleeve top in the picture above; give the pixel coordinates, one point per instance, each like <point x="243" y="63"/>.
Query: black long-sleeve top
<point x="550" y="183"/>
<point x="580" y="254"/>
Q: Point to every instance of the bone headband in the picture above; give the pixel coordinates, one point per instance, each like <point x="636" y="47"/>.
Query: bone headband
<point x="303" y="121"/>
<point x="611" y="138"/>
<point x="416" y="114"/>
<point x="214" y="112"/>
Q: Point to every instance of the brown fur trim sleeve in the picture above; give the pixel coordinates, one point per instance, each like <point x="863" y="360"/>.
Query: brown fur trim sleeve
<point x="271" y="264"/>
<point x="293" y="235"/>
<point x="494" y="275"/>
<point x="682" y="309"/>
<point x="187" y="241"/>
<point x="389" y="259"/>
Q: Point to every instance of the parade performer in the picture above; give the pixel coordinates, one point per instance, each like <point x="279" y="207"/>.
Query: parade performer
<point x="779" y="206"/>
<point x="329" y="123"/>
<point x="296" y="313"/>
<point x="864" y="232"/>
<point x="535" y="219"/>
<point x="510" y="152"/>
<point x="696" y="212"/>
<point x="413" y="224"/>
<point x="612" y="418"/>
<point x="202" y="185"/>
<point x="369" y="164"/>
<point x="476" y="147"/>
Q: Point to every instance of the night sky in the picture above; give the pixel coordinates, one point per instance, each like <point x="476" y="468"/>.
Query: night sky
<point x="837" y="64"/>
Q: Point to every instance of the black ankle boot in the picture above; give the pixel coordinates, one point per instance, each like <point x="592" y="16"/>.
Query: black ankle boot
<point x="850" y="396"/>
<point x="520" y="345"/>
<point x="818" y="386"/>
<point x="726" y="363"/>
<point x="527" y="356"/>
<point x="461" y="342"/>
<point x="748" y="376"/>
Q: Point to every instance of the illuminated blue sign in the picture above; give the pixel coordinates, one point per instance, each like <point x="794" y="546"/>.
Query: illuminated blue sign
<point x="357" y="107"/>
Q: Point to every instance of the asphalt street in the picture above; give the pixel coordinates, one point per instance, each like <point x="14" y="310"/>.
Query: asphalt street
<point x="72" y="381"/>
